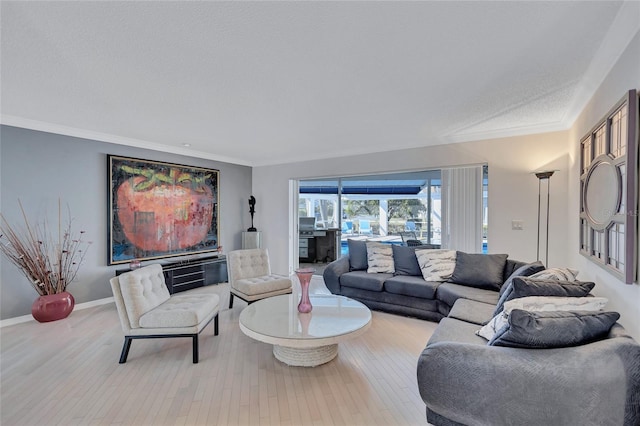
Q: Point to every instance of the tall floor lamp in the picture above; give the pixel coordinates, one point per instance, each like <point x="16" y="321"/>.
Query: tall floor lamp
<point x="544" y="176"/>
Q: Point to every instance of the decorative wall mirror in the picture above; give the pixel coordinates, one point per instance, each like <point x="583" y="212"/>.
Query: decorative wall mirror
<point x="608" y="190"/>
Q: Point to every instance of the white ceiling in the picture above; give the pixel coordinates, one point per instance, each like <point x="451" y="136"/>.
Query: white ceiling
<point x="261" y="83"/>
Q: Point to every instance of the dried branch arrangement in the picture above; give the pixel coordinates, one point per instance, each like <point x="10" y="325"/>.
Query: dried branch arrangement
<point x="50" y="264"/>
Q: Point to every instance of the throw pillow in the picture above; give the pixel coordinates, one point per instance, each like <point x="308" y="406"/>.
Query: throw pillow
<point x="540" y="304"/>
<point x="436" y="264"/>
<point x="523" y="271"/>
<point x="380" y="258"/>
<point x="405" y="261"/>
<point x="550" y="303"/>
<point x="556" y="329"/>
<point x="357" y="255"/>
<point x="479" y="270"/>
<point x="562" y="274"/>
<point x="491" y="328"/>
<point x="528" y="286"/>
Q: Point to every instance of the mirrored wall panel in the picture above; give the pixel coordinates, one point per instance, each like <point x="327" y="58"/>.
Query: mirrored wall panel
<point x="609" y="190"/>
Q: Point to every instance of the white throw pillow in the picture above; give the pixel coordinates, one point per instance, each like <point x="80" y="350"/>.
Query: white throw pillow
<point x="380" y="258"/>
<point x="551" y="303"/>
<point x="560" y="274"/>
<point x="492" y="327"/>
<point x="540" y="304"/>
<point x="436" y="264"/>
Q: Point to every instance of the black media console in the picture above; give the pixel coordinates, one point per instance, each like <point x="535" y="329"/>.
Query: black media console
<point x="188" y="274"/>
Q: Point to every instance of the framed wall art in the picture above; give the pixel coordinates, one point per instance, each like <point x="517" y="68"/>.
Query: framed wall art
<point x="609" y="190"/>
<point x="159" y="210"/>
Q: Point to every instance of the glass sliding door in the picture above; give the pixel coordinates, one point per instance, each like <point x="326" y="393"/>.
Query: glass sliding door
<point x="319" y="216"/>
<point x="384" y="207"/>
<point x="387" y="208"/>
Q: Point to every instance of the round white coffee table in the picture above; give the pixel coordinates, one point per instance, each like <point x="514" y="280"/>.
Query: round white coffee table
<point x="305" y="340"/>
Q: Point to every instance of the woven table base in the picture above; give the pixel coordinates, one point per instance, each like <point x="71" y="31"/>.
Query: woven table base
<point x="307" y="357"/>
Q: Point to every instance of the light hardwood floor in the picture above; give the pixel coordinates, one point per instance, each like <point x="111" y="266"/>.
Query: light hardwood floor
<point x="67" y="373"/>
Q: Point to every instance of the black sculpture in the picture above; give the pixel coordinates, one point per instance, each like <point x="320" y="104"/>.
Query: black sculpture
<point x="252" y="210"/>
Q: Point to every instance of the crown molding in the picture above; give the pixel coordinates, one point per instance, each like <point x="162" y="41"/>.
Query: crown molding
<point x="25" y="123"/>
<point x="504" y="133"/>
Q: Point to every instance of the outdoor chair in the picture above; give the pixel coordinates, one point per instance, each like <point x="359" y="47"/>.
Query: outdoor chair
<point x="148" y="311"/>
<point x="365" y="227"/>
<point x="347" y="227"/>
<point x="410" y="239"/>
<point x="250" y="276"/>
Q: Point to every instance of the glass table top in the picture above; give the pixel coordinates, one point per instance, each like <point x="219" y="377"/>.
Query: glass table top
<point x="331" y="316"/>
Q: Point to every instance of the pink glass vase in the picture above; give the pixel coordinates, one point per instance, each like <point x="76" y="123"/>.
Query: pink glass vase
<point x="304" y="276"/>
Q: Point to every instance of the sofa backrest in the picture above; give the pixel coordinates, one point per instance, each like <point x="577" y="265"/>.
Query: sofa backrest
<point x="511" y="266"/>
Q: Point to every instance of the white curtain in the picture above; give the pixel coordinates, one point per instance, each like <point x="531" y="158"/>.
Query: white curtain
<point x="462" y="209"/>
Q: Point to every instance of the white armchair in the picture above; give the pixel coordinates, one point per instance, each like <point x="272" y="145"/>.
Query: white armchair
<point x="250" y="276"/>
<point x="148" y="311"/>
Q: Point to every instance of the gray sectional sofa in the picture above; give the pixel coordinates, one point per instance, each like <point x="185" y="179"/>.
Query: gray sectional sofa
<point x="405" y="292"/>
<point x="463" y="380"/>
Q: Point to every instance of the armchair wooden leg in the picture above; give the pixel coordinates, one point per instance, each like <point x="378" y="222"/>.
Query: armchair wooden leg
<point x="215" y="325"/>
<point x="195" y="348"/>
<point x="125" y="349"/>
<point x="230" y="300"/>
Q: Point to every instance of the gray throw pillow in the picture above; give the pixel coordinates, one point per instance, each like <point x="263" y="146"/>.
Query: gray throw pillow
<point x="405" y="260"/>
<point x="357" y="255"/>
<point x="479" y="270"/>
<point x="523" y="271"/>
<point x="526" y="286"/>
<point x="555" y="329"/>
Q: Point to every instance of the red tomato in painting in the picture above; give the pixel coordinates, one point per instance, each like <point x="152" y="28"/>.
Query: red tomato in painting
<point x="164" y="217"/>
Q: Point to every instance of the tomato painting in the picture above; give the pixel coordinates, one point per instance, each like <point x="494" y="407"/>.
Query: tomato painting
<point x="164" y="217"/>
<point x="162" y="210"/>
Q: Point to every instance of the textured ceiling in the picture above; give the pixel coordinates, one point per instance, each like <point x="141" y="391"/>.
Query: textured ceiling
<point x="272" y="82"/>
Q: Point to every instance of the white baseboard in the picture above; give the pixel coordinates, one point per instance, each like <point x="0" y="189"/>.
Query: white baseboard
<point x="24" y="318"/>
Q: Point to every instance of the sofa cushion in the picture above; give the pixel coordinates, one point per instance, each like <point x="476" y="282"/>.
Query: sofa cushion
<point x="479" y="270"/>
<point x="528" y="286"/>
<point x="357" y="255"/>
<point x="562" y="274"/>
<point x="396" y="303"/>
<point x="523" y="271"/>
<point x="450" y="292"/>
<point x="379" y="258"/>
<point x="405" y="261"/>
<point x="363" y="280"/>
<point x="436" y="265"/>
<point x="411" y="286"/>
<point x="454" y="330"/>
<point x="472" y="311"/>
<point x="554" y="329"/>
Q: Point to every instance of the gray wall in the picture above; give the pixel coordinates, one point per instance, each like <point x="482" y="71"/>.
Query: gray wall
<point x="624" y="298"/>
<point x="513" y="189"/>
<point x="39" y="168"/>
